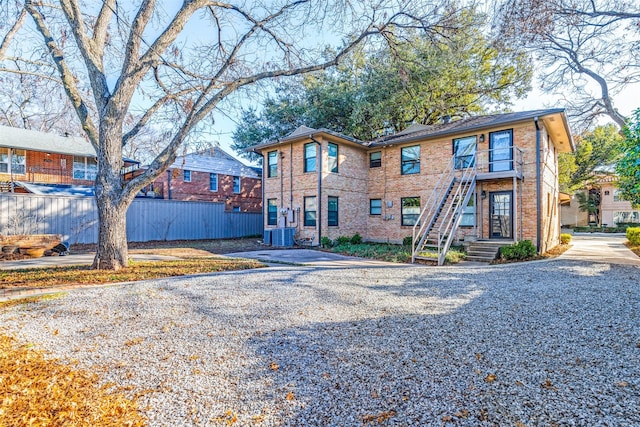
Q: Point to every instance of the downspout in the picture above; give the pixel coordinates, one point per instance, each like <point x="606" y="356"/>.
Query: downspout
<point x="319" y="199"/>
<point x="168" y="184"/>
<point x="538" y="187"/>
<point x="291" y="178"/>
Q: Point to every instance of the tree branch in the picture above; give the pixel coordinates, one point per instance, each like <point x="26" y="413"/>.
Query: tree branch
<point x="68" y="79"/>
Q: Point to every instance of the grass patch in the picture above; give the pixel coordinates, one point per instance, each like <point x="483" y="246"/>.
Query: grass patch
<point x="380" y="251"/>
<point x="41" y="392"/>
<point x="31" y="300"/>
<point x="137" y="270"/>
<point x="634" y="248"/>
<point x="390" y="252"/>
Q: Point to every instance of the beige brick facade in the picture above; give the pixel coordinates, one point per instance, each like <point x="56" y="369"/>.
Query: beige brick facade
<point x="355" y="184"/>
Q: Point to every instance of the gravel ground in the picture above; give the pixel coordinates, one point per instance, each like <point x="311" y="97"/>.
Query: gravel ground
<point x="548" y="343"/>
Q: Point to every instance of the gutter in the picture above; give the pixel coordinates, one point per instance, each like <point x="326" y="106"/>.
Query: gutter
<point x="538" y="187"/>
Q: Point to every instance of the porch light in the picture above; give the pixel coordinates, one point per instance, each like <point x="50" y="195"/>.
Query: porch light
<point x="483" y="194"/>
<point x="482" y="137"/>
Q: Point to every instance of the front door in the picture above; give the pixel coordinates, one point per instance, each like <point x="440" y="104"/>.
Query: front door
<point x="500" y="218"/>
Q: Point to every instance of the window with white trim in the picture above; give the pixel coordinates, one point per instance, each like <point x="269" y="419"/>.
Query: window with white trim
<point x="85" y="168"/>
<point x="236" y="184"/>
<point x="186" y="175"/>
<point x="213" y="182"/>
<point x="4" y="160"/>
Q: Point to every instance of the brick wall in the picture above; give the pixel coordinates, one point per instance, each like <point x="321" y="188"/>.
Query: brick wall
<point x="355" y="184"/>
<point x="198" y="189"/>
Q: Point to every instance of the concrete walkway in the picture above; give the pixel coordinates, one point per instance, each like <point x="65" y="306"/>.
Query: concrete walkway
<point x="311" y="257"/>
<point x="601" y="248"/>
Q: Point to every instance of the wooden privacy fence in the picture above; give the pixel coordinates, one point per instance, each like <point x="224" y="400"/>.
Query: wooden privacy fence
<point x="76" y="219"/>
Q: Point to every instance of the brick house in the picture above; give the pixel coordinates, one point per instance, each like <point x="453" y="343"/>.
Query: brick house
<point x="491" y="178"/>
<point x="45" y="163"/>
<point x="212" y="175"/>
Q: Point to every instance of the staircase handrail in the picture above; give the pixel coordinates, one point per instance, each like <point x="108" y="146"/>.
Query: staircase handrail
<point x="465" y="189"/>
<point x="434" y="202"/>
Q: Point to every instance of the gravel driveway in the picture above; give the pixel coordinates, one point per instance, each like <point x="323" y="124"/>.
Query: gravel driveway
<point x="545" y="343"/>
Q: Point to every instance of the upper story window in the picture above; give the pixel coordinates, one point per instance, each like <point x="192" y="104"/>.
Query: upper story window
<point x="332" y="157"/>
<point x="310" y="157"/>
<point x="272" y="164"/>
<point x="410" y="160"/>
<point x="501" y="151"/>
<point x="186" y="175"/>
<point x="213" y="182"/>
<point x="375" y="159"/>
<point x="85" y="168"/>
<point x="464" y="151"/>
<point x="617" y="196"/>
<point x="236" y="184"/>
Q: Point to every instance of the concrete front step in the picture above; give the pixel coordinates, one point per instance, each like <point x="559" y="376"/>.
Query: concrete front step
<point x="485" y="250"/>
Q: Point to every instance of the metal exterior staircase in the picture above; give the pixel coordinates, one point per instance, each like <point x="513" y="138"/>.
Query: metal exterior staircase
<point x="439" y="219"/>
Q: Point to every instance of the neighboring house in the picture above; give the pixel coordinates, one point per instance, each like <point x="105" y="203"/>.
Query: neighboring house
<point x="45" y="163"/>
<point x="491" y="177"/>
<point x="571" y="214"/>
<point x="212" y="175"/>
<point x="612" y="210"/>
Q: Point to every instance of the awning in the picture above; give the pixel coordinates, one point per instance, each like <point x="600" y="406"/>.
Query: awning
<point x="564" y="198"/>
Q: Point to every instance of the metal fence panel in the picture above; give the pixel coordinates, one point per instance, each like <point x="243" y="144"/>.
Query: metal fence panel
<point x="76" y="218"/>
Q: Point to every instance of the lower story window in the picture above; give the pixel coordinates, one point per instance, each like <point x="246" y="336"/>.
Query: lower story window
<point x="621" y="217"/>
<point x="410" y="210"/>
<point x="272" y="212"/>
<point x="310" y="211"/>
<point x="332" y="211"/>
<point x="375" y="206"/>
<point x="85" y="168"/>
<point x="469" y="215"/>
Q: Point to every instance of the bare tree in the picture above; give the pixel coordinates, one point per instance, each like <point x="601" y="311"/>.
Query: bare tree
<point x="588" y="50"/>
<point x="171" y="68"/>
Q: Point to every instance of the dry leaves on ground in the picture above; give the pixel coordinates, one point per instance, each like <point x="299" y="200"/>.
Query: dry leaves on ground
<point x="40" y="392"/>
<point x="143" y="270"/>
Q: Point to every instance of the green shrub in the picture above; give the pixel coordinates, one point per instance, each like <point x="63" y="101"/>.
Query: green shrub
<point x="565" y="238"/>
<point x="326" y="242"/>
<point x="356" y="239"/>
<point x="633" y="235"/>
<point x="343" y="240"/>
<point x="522" y="250"/>
<point x="581" y="229"/>
<point x="407" y="241"/>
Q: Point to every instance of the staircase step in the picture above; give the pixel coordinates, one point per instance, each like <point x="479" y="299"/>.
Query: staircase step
<point x="479" y="258"/>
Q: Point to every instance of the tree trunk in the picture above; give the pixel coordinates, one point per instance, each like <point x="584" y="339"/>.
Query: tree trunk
<point x="112" y="251"/>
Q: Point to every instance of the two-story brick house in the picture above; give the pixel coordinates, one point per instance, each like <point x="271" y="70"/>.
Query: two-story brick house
<point x="492" y="177"/>
<point x="46" y="163"/>
<point x="212" y="175"/>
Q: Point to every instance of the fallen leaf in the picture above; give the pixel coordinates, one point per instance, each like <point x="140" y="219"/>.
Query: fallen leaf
<point x="290" y="396"/>
<point x="274" y="366"/>
<point x="447" y="418"/>
<point x="622" y="384"/>
<point x="462" y="414"/>
<point x="491" y="378"/>
<point x="479" y="356"/>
